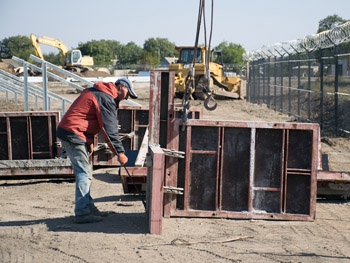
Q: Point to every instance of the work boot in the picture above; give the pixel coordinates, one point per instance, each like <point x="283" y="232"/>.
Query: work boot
<point x="84" y="219"/>
<point x="94" y="211"/>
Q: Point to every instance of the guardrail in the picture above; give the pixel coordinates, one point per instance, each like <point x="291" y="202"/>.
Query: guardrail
<point x="13" y="86"/>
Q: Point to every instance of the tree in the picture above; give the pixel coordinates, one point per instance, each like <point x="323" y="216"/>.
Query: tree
<point x="232" y="54"/>
<point x="149" y="59"/>
<point x="129" y="54"/>
<point x="53" y="58"/>
<point x="19" y="46"/>
<point x="162" y="47"/>
<point x="98" y="49"/>
<point x="330" y="22"/>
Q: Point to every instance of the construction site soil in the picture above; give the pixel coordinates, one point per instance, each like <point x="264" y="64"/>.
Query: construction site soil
<point x="37" y="223"/>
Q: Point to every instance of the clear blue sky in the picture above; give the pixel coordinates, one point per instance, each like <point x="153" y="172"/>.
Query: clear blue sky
<point x="252" y="24"/>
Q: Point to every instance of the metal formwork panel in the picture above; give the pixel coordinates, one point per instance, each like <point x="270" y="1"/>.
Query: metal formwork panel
<point x="28" y="135"/>
<point x="132" y="119"/>
<point x="28" y="146"/>
<point x="244" y="170"/>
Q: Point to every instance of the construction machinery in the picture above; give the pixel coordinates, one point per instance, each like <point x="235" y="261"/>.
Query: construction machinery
<point x="70" y="59"/>
<point x="220" y="84"/>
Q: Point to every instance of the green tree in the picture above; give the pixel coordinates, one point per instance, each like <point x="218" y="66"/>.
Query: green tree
<point x="53" y="58"/>
<point x="162" y="47"/>
<point x="98" y="49"/>
<point x="330" y="22"/>
<point x="19" y="46"/>
<point x="149" y="59"/>
<point x="129" y="54"/>
<point x="232" y="54"/>
<point x="110" y="52"/>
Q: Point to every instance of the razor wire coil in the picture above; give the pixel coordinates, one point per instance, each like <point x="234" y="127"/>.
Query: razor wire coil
<point x="323" y="40"/>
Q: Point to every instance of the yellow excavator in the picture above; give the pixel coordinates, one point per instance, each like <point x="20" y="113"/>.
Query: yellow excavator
<point x="70" y="59"/>
<point x="220" y="84"/>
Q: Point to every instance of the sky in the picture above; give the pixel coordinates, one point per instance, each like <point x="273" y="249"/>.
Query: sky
<point x="251" y="24"/>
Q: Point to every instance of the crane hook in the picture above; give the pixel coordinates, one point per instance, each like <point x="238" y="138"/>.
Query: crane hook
<point x="209" y="99"/>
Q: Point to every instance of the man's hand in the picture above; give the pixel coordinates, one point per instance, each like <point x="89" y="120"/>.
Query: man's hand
<point x="91" y="149"/>
<point x="122" y="159"/>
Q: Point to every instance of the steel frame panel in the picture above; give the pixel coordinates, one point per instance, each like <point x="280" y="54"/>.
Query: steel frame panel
<point x="271" y="163"/>
<point x="271" y="157"/>
<point x="132" y="119"/>
<point x="28" y="135"/>
<point x="28" y="145"/>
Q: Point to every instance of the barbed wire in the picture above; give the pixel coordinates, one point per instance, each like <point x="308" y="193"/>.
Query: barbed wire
<point x="325" y="39"/>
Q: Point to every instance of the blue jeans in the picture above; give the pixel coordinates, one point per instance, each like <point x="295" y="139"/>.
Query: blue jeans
<point x="82" y="167"/>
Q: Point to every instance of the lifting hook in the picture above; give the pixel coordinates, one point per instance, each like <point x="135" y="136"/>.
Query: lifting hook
<point x="209" y="99"/>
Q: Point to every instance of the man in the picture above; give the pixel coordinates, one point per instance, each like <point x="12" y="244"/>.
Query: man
<point x="93" y="110"/>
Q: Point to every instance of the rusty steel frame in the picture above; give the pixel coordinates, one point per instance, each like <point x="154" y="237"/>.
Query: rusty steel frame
<point x="29" y="147"/>
<point x="135" y="181"/>
<point x="132" y="119"/>
<point x="291" y="171"/>
<point x="290" y="178"/>
<point x="29" y="135"/>
<point x="154" y="193"/>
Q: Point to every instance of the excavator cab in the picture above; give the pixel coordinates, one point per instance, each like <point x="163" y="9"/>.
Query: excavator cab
<point x="73" y="58"/>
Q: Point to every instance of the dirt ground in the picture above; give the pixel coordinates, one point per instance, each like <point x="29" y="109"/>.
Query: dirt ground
<point x="36" y="218"/>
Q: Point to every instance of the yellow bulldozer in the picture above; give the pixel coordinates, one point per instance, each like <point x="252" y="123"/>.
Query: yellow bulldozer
<point x="220" y="84"/>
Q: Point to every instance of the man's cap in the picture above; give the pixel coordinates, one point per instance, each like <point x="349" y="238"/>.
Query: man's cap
<point x="127" y="83"/>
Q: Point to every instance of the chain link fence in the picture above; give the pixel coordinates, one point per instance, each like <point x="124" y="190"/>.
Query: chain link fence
<point x="308" y="79"/>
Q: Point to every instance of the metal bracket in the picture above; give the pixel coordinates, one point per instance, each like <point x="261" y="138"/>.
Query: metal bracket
<point x="173" y="190"/>
<point x="101" y="146"/>
<point x="127" y="136"/>
<point x="104" y="146"/>
<point x="173" y="153"/>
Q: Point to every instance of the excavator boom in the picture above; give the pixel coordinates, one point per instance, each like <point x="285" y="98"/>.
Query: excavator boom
<point x="36" y="41"/>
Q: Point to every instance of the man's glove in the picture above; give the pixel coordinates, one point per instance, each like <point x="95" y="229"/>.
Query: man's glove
<point x="122" y="159"/>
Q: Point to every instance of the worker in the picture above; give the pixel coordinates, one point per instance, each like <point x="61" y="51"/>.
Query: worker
<point x="94" y="109"/>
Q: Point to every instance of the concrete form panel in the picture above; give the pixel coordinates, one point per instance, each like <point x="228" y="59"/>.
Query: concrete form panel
<point x="28" y="146"/>
<point x="246" y="170"/>
<point x="28" y="135"/>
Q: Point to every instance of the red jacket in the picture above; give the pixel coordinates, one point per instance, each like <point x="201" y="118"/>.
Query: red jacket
<point x="93" y="109"/>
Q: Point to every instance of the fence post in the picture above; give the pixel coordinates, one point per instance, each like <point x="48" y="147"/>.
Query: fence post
<point x="274" y="85"/>
<point x="281" y="89"/>
<point x="248" y="74"/>
<point x="321" y="88"/>
<point x="299" y="86"/>
<point x="309" y="87"/>
<point x="268" y="83"/>
<point x="336" y="95"/>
